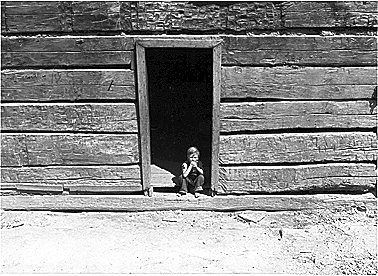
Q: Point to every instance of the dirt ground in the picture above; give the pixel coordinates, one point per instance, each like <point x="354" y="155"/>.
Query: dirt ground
<point x="338" y="241"/>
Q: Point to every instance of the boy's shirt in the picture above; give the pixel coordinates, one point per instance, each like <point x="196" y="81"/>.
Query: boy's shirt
<point x="194" y="172"/>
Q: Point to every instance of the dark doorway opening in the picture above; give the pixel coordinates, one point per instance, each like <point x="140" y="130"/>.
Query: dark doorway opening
<point x="180" y="92"/>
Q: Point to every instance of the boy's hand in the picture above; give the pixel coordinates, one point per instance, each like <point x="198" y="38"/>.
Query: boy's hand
<point x="194" y="164"/>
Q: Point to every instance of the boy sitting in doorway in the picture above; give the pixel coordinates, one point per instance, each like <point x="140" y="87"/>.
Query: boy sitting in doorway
<point x="192" y="173"/>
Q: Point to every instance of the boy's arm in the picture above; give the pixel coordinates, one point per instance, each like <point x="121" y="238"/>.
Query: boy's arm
<point x="199" y="167"/>
<point x="186" y="170"/>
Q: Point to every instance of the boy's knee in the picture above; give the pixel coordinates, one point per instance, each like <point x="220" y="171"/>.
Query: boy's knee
<point x="201" y="177"/>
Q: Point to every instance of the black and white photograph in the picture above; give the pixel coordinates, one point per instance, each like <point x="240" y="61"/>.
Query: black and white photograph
<point x="189" y="137"/>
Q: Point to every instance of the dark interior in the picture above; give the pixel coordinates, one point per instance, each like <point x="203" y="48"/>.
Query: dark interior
<point x="180" y="85"/>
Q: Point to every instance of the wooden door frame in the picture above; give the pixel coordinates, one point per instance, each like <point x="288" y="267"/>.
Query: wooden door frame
<point x="144" y="117"/>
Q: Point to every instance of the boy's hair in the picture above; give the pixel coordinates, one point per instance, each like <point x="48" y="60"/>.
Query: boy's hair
<point x="192" y="150"/>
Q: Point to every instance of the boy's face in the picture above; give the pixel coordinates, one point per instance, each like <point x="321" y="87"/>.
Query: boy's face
<point x="193" y="157"/>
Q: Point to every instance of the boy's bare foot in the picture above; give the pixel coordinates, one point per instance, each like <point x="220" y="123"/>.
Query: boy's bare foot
<point x="181" y="193"/>
<point x="196" y="195"/>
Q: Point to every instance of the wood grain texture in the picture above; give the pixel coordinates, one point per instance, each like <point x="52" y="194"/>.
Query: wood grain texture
<point x="66" y="149"/>
<point x="63" y="174"/>
<point x="136" y="203"/>
<point x="34" y="188"/>
<point x="299" y="83"/>
<point x="178" y="42"/>
<point x="83" y="16"/>
<point x="245" y="16"/>
<point x="69" y="117"/>
<point x="75" y="178"/>
<point x="66" y="51"/>
<point x="290" y="50"/>
<point x="38" y="16"/>
<point x="144" y="116"/>
<point x="291" y="115"/>
<point x="215" y="135"/>
<point x="4" y="27"/>
<point x="67" y="85"/>
<point x="174" y="16"/>
<point x="330" y="14"/>
<point x="101" y="16"/>
<point x="319" y="178"/>
<point x="298" y="147"/>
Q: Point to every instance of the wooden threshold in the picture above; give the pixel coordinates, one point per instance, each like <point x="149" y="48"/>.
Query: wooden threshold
<point x="160" y="202"/>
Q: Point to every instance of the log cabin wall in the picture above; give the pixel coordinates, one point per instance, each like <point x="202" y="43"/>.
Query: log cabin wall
<point x="297" y="113"/>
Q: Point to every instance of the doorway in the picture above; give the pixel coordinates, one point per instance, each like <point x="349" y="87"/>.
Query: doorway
<point x="180" y="86"/>
<point x="178" y="103"/>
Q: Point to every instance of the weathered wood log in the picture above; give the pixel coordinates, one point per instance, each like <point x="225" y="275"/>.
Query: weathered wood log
<point x="38" y="16"/>
<point x="63" y="174"/>
<point x="246" y="16"/>
<point x="298" y="147"/>
<point x="35" y="187"/>
<point x="299" y="83"/>
<point x="67" y="16"/>
<point x="301" y="114"/>
<point x="101" y="16"/>
<point x="309" y="178"/>
<point x="136" y="203"/>
<point x="162" y="16"/>
<point x="67" y="85"/>
<point x="330" y="14"/>
<point x="74" y="178"/>
<point x="66" y="51"/>
<point x="314" y="50"/>
<point x="66" y="149"/>
<point x="70" y="117"/>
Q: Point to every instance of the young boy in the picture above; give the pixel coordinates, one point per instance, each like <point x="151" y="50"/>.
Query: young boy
<point x="192" y="173"/>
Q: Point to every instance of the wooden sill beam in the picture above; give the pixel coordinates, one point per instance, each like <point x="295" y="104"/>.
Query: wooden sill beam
<point x="137" y="203"/>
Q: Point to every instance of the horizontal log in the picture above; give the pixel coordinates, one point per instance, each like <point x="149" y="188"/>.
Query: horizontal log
<point x="40" y="16"/>
<point x="146" y="16"/>
<point x="66" y="51"/>
<point x="330" y="14"/>
<point x="64" y="174"/>
<point x="298" y="147"/>
<point x="246" y="16"/>
<point x="136" y="203"/>
<point x="161" y="16"/>
<point x="75" y="178"/>
<point x="36" y="23"/>
<point x="66" y="149"/>
<point x="291" y="115"/>
<point x="66" y="16"/>
<point x="305" y="178"/>
<point x="31" y="7"/>
<point x="298" y="83"/>
<point x="38" y="187"/>
<point x="59" y="59"/>
<point x="314" y="50"/>
<point x="67" y="85"/>
<point x="69" y="117"/>
<point x="79" y="44"/>
<point x="101" y="16"/>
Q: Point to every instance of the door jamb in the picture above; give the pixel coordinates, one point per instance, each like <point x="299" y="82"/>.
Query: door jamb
<point x="144" y="126"/>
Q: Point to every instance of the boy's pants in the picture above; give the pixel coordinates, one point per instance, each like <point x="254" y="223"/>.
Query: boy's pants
<point x="197" y="183"/>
